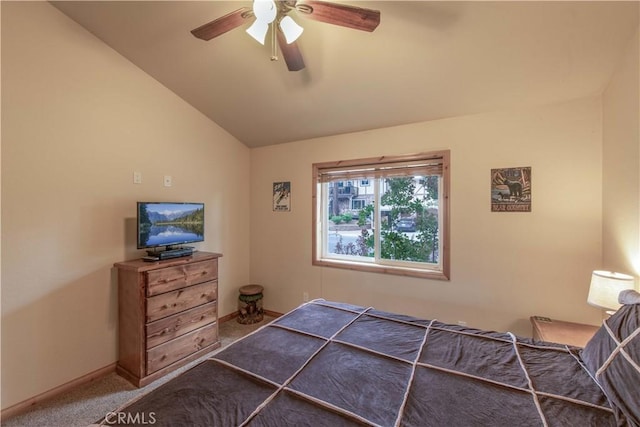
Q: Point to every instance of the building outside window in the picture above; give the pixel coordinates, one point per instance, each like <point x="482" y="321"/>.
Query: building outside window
<point x="399" y="225"/>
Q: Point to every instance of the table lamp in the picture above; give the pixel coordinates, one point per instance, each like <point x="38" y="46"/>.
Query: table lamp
<point x="605" y="287"/>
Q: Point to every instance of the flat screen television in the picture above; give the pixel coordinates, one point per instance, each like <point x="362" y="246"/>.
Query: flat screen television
<point x="169" y="224"/>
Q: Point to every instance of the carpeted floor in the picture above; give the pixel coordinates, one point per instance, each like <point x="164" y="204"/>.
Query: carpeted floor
<point x="91" y="402"/>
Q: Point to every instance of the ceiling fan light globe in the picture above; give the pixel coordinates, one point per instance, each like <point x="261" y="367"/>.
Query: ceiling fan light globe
<point x="290" y="29"/>
<point x="265" y="10"/>
<point x="258" y="30"/>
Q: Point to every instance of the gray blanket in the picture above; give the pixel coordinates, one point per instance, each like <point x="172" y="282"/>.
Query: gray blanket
<point x="333" y="364"/>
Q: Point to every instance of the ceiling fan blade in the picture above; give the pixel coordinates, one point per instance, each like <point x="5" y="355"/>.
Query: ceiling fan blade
<point x="223" y="24"/>
<point x="291" y="53"/>
<point x="354" y="17"/>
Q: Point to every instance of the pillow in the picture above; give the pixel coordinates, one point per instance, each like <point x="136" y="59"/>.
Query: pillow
<point x="612" y="357"/>
<point x="629" y="296"/>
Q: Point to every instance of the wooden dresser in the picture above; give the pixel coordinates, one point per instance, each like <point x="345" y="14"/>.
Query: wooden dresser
<point x="167" y="314"/>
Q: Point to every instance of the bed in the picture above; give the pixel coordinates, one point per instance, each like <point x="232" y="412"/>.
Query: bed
<point x="335" y="364"/>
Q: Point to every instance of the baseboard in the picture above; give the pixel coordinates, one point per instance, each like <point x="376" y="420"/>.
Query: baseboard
<point x="272" y="313"/>
<point x="23" y="406"/>
<point x="235" y="314"/>
<point x="228" y="317"/>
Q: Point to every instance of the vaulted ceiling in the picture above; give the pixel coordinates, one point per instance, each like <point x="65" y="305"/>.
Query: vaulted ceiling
<point x="426" y="60"/>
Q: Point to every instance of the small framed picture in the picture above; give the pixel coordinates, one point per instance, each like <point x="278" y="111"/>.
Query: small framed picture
<point x="511" y="190"/>
<point x="282" y="196"/>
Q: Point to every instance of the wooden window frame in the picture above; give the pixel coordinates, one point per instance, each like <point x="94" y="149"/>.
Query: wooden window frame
<point x="443" y="273"/>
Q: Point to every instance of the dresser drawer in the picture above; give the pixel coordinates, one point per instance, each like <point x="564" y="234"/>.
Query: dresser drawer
<point x="171" y="278"/>
<point x="171" y="327"/>
<point x="169" y="303"/>
<point x="174" y="350"/>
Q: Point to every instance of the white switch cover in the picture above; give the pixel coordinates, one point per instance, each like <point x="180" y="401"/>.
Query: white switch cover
<point x="137" y="177"/>
<point x="167" y="180"/>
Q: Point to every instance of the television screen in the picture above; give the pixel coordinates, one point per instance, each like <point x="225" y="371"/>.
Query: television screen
<point x="169" y="224"/>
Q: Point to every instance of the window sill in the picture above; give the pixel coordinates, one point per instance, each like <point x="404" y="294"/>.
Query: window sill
<point x="383" y="269"/>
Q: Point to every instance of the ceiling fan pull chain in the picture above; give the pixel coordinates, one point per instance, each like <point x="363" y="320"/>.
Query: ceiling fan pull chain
<point x="274" y="45"/>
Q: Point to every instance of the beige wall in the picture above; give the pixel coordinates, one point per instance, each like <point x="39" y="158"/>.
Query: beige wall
<point x="505" y="267"/>
<point x="621" y="165"/>
<point x="77" y="120"/>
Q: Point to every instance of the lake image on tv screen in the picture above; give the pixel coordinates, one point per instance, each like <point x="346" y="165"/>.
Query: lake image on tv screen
<point x="170" y="224"/>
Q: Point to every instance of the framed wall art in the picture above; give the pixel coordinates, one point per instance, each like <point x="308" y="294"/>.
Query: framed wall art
<point x="282" y="196"/>
<point x="511" y="190"/>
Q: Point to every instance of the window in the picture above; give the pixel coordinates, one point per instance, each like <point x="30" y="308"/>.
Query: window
<point x="357" y="204"/>
<point x="398" y="226"/>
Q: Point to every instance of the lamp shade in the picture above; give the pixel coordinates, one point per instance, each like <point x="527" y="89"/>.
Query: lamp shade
<point x="265" y="12"/>
<point x="605" y="287"/>
<point x="290" y="29"/>
<point x="258" y="30"/>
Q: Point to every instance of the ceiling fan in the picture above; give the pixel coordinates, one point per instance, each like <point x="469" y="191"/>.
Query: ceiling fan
<point x="285" y="29"/>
